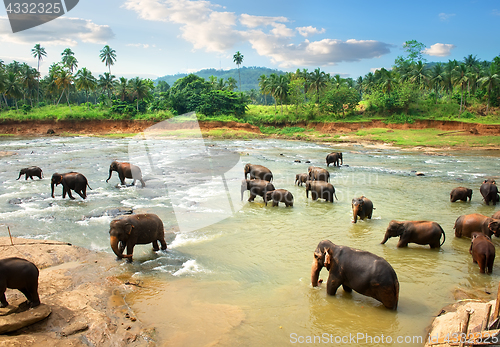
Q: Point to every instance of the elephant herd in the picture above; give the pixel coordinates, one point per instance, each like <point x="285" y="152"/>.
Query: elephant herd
<point x="362" y="271"/>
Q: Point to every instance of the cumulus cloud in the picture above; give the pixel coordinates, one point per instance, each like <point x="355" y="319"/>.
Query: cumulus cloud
<point x="62" y="31"/>
<point x="439" y="49"/>
<point x="444" y="17"/>
<point x="309" y="30"/>
<point x="205" y="27"/>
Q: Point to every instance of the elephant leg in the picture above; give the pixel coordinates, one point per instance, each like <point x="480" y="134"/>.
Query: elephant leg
<point x="121" y="247"/>
<point x="27" y="294"/>
<point x="81" y="193"/>
<point x="155" y="246"/>
<point x="275" y="203"/>
<point x="163" y="244"/>
<point x="133" y="182"/>
<point x="252" y="197"/>
<point x="142" y="182"/>
<point x="130" y="251"/>
<point x="3" y="299"/>
<point x="122" y="179"/>
<point x="346" y="288"/>
<point x="402" y="243"/>
<point x="490" y="264"/>
<point x="332" y="284"/>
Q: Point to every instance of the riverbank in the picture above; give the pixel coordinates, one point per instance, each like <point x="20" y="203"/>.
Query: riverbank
<point x="85" y="291"/>
<point x="445" y="135"/>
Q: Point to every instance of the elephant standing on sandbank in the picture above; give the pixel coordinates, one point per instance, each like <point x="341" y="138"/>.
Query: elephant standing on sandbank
<point x="365" y="272"/>
<point x="21" y="274"/>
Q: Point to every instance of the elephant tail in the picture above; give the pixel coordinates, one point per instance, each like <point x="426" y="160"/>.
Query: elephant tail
<point x="335" y="195"/>
<point x="89" y="186"/>
<point x="444" y="237"/>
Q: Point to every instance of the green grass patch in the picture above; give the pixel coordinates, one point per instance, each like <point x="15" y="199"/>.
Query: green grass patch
<point x="286" y="131"/>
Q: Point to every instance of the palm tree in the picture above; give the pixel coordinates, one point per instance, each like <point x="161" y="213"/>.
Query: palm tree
<point x="221" y="84"/>
<point x="231" y="84"/>
<point x="419" y="75"/>
<point x="107" y="83"/>
<point x="213" y="81"/>
<point x="38" y="53"/>
<point x="64" y="80"/>
<point x="459" y="77"/>
<point x="69" y="60"/>
<point x="318" y="81"/>
<point x="86" y="81"/>
<point x="491" y="79"/>
<point x="108" y="56"/>
<point x="264" y="86"/>
<point x="436" y="77"/>
<point x="27" y="79"/>
<point x="388" y="80"/>
<point x="281" y="89"/>
<point x="238" y="59"/>
<point x="138" y="89"/>
<point x="13" y="88"/>
<point x="472" y="64"/>
<point x="122" y="88"/>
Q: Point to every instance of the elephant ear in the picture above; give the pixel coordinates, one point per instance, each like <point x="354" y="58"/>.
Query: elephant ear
<point x="328" y="259"/>
<point x="128" y="228"/>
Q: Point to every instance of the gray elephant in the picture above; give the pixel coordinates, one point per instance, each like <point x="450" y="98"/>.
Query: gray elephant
<point x="30" y="172"/>
<point x="482" y="251"/>
<point x="21" y="274"/>
<point x="461" y="193"/>
<point x="466" y="224"/>
<point x="301" y="178"/>
<point x="496" y="215"/>
<point x="419" y="232"/>
<point x="136" y="229"/>
<point x="320" y="190"/>
<point x="280" y="195"/>
<point x="126" y="170"/>
<point x="489" y="191"/>
<point x="334" y="158"/>
<point x="318" y="174"/>
<point x="70" y="181"/>
<point x="256" y="187"/>
<point x="362" y="207"/>
<point x="365" y="272"/>
<point x="258" y="171"/>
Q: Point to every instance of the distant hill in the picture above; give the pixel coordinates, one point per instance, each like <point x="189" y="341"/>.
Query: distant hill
<point x="249" y="76"/>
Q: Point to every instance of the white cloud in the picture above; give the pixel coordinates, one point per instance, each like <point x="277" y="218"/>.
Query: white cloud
<point x="309" y="30"/>
<point x="444" y="17"/>
<point x="61" y="31"/>
<point x="216" y="31"/>
<point x="495" y="12"/>
<point x="143" y="45"/>
<point x="439" y="49"/>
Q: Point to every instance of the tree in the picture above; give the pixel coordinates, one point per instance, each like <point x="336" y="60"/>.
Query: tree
<point x="122" y="88"/>
<point x="414" y="51"/>
<point x="318" y="81"/>
<point x="69" y="60"/>
<point x="460" y="78"/>
<point x="238" y="59"/>
<point x="139" y="89"/>
<point x="13" y="88"/>
<point x="280" y="90"/>
<point x="107" y="83"/>
<point x="64" y="80"/>
<point x="108" y="56"/>
<point x="264" y="87"/>
<point x="85" y="81"/>
<point x="38" y="53"/>
<point x="27" y="79"/>
<point x="490" y="81"/>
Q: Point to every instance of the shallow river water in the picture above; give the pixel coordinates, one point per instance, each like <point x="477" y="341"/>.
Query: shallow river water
<point x="238" y="273"/>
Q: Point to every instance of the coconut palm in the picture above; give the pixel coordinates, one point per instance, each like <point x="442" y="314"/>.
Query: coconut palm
<point x="27" y="78"/>
<point x="122" y="88"/>
<point x="231" y="84"/>
<point x="139" y="89"/>
<point x="281" y="89"/>
<point x="264" y="87"/>
<point x="490" y="80"/>
<point x="12" y="87"/>
<point x="318" y="81"/>
<point x="419" y="75"/>
<point x="85" y="81"/>
<point x="388" y="80"/>
<point x="108" y="56"/>
<point x="69" y="60"/>
<point x="436" y="77"/>
<point x="107" y="83"/>
<point x="238" y="59"/>
<point x="38" y="53"/>
<point x="460" y="78"/>
<point x="64" y="80"/>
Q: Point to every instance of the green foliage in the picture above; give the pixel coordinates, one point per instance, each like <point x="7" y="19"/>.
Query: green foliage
<point x="340" y="100"/>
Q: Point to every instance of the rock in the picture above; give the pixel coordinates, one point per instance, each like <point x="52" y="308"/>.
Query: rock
<point x="110" y="212"/>
<point x="16" y="321"/>
<point x="50" y="131"/>
<point x="418" y="173"/>
<point x="297" y="161"/>
<point x="74" y="328"/>
<point x="308" y="161"/>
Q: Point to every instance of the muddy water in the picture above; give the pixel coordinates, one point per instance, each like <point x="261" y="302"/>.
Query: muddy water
<point x="241" y="274"/>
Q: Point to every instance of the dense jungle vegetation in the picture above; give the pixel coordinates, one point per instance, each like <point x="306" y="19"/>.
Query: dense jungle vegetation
<point x="467" y="90"/>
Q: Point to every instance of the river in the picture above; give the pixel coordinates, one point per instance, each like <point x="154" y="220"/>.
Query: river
<point x="237" y="272"/>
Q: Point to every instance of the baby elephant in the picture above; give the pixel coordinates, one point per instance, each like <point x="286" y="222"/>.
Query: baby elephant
<point x="419" y="232"/>
<point x="362" y="207"/>
<point x="30" y="172"/>
<point x="280" y="195"/>
<point x="301" y="178"/>
<point x="460" y="193"/>
<point x="126" y="170"/>
<point x="483" y="252"/>
<point x="70" y="181"/>
<point x="21" y="274"/>
<point x="136" y="229"/>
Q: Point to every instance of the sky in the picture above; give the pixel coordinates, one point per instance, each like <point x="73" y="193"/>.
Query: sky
<point x="154" y="38"/>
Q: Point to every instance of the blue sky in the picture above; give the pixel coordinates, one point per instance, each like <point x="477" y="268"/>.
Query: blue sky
<point x="161" y="37"/>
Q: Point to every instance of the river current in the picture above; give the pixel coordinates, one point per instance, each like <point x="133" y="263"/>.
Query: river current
<point x="237" y="272"/>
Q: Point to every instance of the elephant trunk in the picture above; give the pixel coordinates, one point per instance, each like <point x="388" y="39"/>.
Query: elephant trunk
<point x="243" y="188"/>
<point x="307" y="193"/>
<point x="355" y="211"/>
<point x="113" y="240"/>
<point x="110" y="172"/>
<point x="20" y="173"/>
<point x="315" y="270"/>
<point x="386" y="237"/>
<point x="52" y="189"/>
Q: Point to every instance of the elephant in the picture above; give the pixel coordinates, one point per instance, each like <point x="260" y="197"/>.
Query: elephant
<point x="21" y="274"/>
<point x="318" y="174"/>
<point x="334" y="158"/>
<point x="135" y="229"/>
<point x="301" y="178"/>
<point x="126" y="170"/>
<point x="280" y="195"/>
<point x="258" y="171"/>
<point x="320" y="190"/>
<point x="365" y="272"/>
<point x="466" y="224"/>
<point x="256" y="187"/>
<point x="496" y="215"/>
<point x="30" y="172"/>
<point x="489" y="191"/>
<point x="70" y="180"/>
<point x="461" y="193"/>
<point x="483" y="252"/>
<point x="419" y="232"/>
<point x="362" y="207"/>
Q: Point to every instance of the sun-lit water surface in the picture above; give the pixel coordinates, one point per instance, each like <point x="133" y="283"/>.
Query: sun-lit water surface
<point x="251" y="272"/>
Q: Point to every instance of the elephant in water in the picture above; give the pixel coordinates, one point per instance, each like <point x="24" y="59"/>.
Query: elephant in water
<point x="70" y="181"/>
<point x="126" y="170"/>
<point x="466" y="224"/>
<point x="419" y="232"/>
<point x="30" y="172"/>
<point x="489" y="191"/>
<point x="256" y="187"/>
<point x="320" y="190"/>
<point x="301" y="178"/>
<point x="362" y="207"/>
<point x="334" y="158"/>
<point x="482" y="251"/>
<point x="318" y="174"/>
<point x="461" y="193"/>
<point x="280" y="195"/>
<point x="366" y="273"/>
<point x="258" y="172"/>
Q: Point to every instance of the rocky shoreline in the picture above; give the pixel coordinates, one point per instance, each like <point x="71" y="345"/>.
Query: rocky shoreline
<point x="85" y="291"/>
